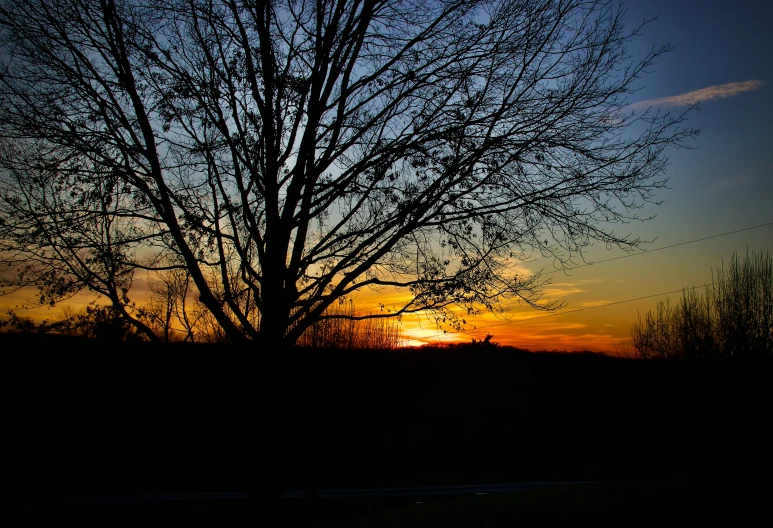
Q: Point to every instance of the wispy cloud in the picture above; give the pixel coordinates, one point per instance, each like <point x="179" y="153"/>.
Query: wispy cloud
<point x="740" y="180"/>
<point x="594" y="304"/>
<point x="563" y="289"/>
<point x="710" y="93"/>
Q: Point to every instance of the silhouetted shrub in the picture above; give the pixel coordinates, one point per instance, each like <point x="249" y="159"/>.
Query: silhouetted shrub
<point x="16" y="323"/>
<point x="100" y="322"/>
<point x="743" y="300"/>
<point x="485" y="342"/>
<point x="107" y="324"/>
<point x="734" y="317"/>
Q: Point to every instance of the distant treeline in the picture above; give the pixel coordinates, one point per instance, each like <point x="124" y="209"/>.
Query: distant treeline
<point x="93" y="322"/>
<point x="733" y="318"/>
<point x="338" y="328"/>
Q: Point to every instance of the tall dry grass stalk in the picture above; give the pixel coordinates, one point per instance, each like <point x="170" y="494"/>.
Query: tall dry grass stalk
<point x="733" y="318"/>
<point x="742" y="298"/>
<point x="337" y="329"/>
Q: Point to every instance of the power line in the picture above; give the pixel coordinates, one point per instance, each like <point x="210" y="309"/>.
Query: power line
<point x="603" y="305"/>
<point x="593" y="307"/>
<point x="627" y="256"/>
<point x="647" y="252"/>
<point x="622" y="257"/>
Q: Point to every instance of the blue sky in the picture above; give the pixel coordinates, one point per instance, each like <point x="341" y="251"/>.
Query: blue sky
<point x="724" y="56"/>
<point x="723" y="61"/>
<point x="725" y="183"/>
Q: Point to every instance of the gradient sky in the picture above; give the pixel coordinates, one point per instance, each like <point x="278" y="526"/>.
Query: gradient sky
<point x="724" y="61"/>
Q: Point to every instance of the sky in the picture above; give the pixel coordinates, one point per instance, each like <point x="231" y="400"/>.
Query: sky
<point x="724" y="61"/>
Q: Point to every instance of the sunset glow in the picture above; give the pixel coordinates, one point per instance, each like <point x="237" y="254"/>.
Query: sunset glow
<point x="718" y="202"/>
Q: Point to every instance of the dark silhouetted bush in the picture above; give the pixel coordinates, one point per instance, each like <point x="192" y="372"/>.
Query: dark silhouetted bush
<point x="733" y="318"/>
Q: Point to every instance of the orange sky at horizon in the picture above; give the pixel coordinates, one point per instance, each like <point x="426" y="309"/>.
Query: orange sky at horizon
<point x="722" y="61"/>
<point x="586" y="322"/>
<point x="546" y="332"/>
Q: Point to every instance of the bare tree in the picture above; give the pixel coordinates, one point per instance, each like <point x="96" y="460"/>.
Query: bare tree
<point x="291" y="153"/>
<point x="732" y="319"/>
<point x="742" y="299"/>
<point x="168" y="311"/>
<point x="685" y="330"/>
<point x="64" y="228"/>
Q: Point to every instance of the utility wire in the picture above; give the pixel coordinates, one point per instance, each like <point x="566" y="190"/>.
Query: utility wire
<point x="593" y="307"/>
<point x="622" y="257"/>
<point x="647" y="252"/>
<point x="692" y="288"/>
<point x="627" y="256"/>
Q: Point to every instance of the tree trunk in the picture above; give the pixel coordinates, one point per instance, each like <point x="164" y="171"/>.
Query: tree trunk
<point x="274" y="418"/>
<point x="265" y="452"/>
<point x="310" y="437"/>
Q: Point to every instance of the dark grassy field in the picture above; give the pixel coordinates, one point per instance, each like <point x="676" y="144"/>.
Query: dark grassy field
<point x="670" y="440"/>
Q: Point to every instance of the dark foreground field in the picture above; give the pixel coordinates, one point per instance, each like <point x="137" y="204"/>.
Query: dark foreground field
<point x="670" y="443"/>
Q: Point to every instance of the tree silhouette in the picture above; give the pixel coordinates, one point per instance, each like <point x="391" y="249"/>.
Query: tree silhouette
<point x="167" y="312"/>
<point x="732" y="319"/>
<point x="288" y="154"/>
